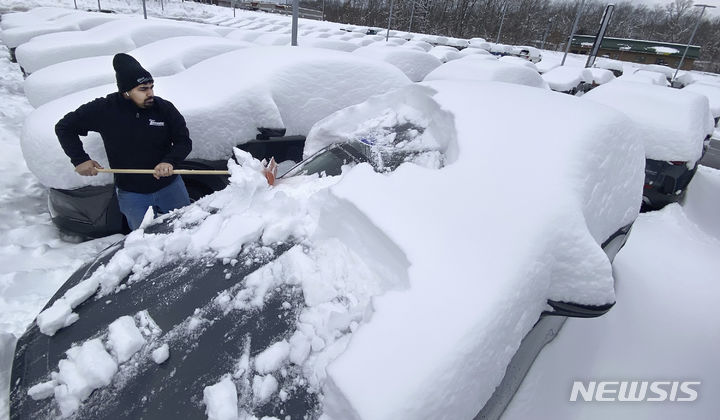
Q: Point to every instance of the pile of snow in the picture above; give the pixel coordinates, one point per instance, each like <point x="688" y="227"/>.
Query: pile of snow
<point x="120" y="35"/>
<point x="284" y="87"/>
<point x="566" y="78"/>
<point x="418" y="45"/>
<point x="161" y="58"/>
<point x="646" y="77"/>
<point x="75" y="21"/>
<point x="675" y="122"/>
<point x="468" y="315"/>
<point x="415" y="64"/>
<point x="487" y="70"/>
<point x="711" y="92"/>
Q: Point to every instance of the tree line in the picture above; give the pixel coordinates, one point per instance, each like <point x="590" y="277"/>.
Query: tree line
<point x="530" y="22"/>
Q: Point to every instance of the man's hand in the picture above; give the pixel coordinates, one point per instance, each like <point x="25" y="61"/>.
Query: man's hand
<point x="88" y="168"/>
<point x="163" y="169"/>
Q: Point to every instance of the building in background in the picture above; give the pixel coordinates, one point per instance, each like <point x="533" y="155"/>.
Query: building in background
<point x="637" y="51"/>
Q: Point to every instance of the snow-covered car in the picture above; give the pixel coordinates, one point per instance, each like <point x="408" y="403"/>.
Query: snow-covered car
<point x="480" y="68"/>
<point x="568" y="79"/>
<point x="224" y="102"/>
<point x="414" y="63"/>
<point x="531" y="54"/>
<point x="119" y="35"/>
<point x="712" y="93"/>
<point x="396" y="273"/>
<point x="75" y="21"/>
<point x="161" y="58"/>
<point x="677" y="125"/>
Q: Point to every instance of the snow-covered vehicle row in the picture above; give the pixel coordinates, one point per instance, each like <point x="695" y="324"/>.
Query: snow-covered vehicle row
<point x="394" y="272"/>
<point x="224" y="100"/>
<point x="677" y="126"/>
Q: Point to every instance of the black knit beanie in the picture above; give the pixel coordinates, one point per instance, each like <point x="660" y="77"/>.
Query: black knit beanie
<point x="129" y="73"/>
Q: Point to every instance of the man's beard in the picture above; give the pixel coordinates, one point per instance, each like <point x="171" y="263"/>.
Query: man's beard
<point x="148" y="103"/>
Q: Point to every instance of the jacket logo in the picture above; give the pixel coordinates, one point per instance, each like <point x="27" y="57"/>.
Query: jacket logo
<point x="157" y="123"/>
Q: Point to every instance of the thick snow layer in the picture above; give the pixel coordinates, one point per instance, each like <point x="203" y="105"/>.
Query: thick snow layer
<point x="120" y="35"/>
<point x="646" y="77"/>
<point x="675" y="122"/>
<point x="470" y="312"/>
<point x="566" y="78"/>
<point x="282" y="87"/>
<point x="487" y="70"/>
<point x="77" y="21"/>
<point x="415" y="64"/>
<point x="221" y="400"/>
<point x="161" y="58"/>
<point x="709" y="91"/>
<point x="331" y="44"/>
<point x="659" y="68"/>
<point x="445" y="54"/>
<point x="601" y="76"/>
<point x="35" y="16"/>
<point x="124" y="338"/>
<point x="473" y="51"/>
<point x="517" y="61"/>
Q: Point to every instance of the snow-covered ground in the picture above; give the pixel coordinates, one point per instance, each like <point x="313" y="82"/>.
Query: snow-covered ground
<point x="663" y="327"/>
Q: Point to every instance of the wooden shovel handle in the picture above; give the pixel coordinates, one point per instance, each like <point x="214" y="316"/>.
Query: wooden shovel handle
<point x="175" y="171"/>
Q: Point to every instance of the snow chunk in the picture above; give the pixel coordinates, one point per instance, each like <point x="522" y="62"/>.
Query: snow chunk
<point x="272" y="357"/>
<point x="86" y="368"/>
<point x="415" y="64"/>
<point x="221" y="400"/>
<point x="487" y="70"/>
<point x="124" y="338"/>
<point x="675" y="122"/>
<point x="42" y="390"/>
<point x="57" y="316"/>
<point x="76" y="21"/>
<point x="264" y="387"/>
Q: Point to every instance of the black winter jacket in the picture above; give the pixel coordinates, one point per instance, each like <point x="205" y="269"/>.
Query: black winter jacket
<point x="134" y="138"/>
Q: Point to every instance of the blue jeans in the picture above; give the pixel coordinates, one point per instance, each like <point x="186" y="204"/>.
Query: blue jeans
<point x="134" y="205"/>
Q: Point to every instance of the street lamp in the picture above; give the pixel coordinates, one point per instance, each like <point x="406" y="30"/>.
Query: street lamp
<point x="387" y="36"/>
<point x="502" y="19"/>
<point x="572" y="33"/>
<point x="687" y="47"/>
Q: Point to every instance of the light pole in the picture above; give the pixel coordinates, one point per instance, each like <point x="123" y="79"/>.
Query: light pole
<point x="547" y="32"/>
<point x="295" y="13"/>
<point x="687" y="47"/>
<point x="387" y="35"/>
<point x="572" y="33"/>
<point x="412" y="14"/>
<point x="323" y="10"/>
<point x="502" y="19"/>
<point x="144" y="10"/>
